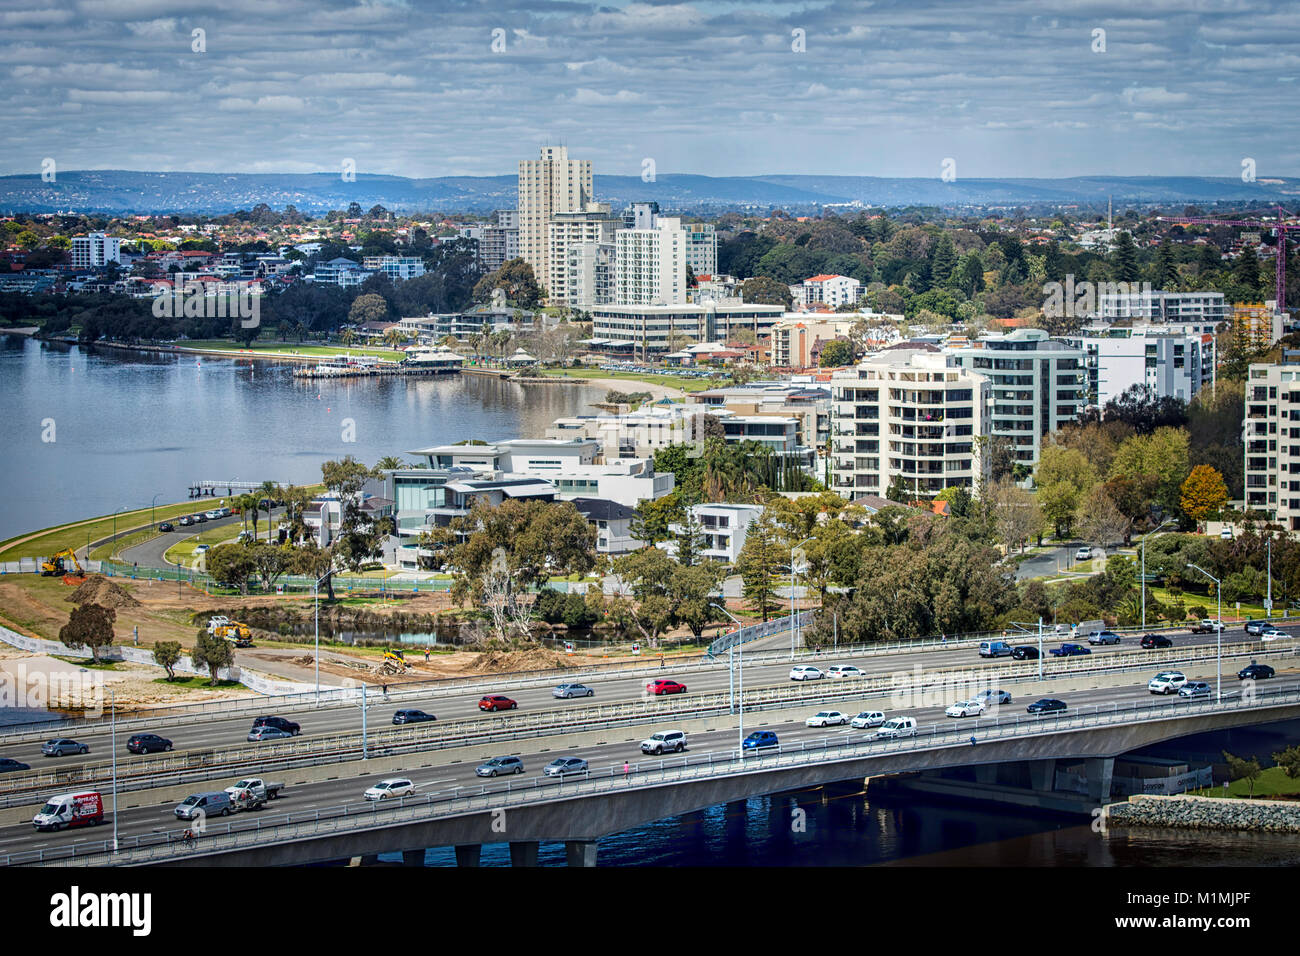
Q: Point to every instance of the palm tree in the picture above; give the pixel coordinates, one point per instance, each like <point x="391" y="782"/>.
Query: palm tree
<point x="395" y="338"/>
<point x="299" y="330"/>
<point x="248" y="506"/>
<point x="388" y="462"/>
<point x="347" y="337"/>
<point x="270" y="491"/>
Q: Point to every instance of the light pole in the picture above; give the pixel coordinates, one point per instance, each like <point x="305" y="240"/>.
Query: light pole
<point x="152" y="505"/>
<point x="1144" y="569"/>
<point x="114" y="539"/>
<point x="1025" y="627"/>
<point x="1268" y="600"/>
<point x="1218" y="635"/>
<point x="793" y="612"/>
<point x="316" y="592"/>
<point x="112" y="719"/>
<point x="737" y="705"/>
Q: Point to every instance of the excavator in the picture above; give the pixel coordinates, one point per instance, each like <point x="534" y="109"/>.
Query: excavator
<point x="57" y="565"/>
<point x="393" y="662"/>
<point x="236" y="633"/>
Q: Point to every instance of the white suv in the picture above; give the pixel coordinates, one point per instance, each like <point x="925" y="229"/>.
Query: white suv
<point x="805" y="672"/>
<point x="665" y="740"/>
<point x="845" y="670"/>
<point x="1166" y="682"/>
<point x="868" y="718"/>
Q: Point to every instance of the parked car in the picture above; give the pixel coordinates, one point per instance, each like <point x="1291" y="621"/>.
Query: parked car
<point x="1166" y="682"/>
<point x="212" y="515"/>
<point x="1083" y="554"/>
<point x="1024" y="652"/>
<point x="1226" y="534"/>
<point x="994" y="697"/>
<point x="9" y="765"/>
<point x="673" y="740"/>
<point x="1256" y="627"/>
<point x="412" y="717"/>
<point x="392" y="787"/>
<point x="759" y="740"/>
<point x="660" y="687"/>
<point x="1194" y="688"/>
<point x="214" y="803"/>
<point x="1207" y="626"/>
<point x="868" y="718"/>
<point x="61" y="746"/>
<point x="1103" y="637"/>
<point x="563" y="766"/>
<point x="1255" y="672"/>
<point x="166" y="527"/>
<point x="895" y="727"/>
<point x="147" y="744"/>
<point x="499" y="765"/>
<point x="268" y="733"/>
<point x="805" y="672"/>
<point x="1069" y="650"/>
<point x="965" y="708"/>
<point x="845" y="670"/>
<point x="279" y="723"/>
<point x="995" y="649"/>
<point x="202" y="548"/>
<point x="1150" y="641"/>
<point x="225" y="512"/>
<point x="495" y="702"/>
<point x="826" y="718"/>
<point x="567" y="691"/>
<point x="199" y="518"/>
<point x="185" y="520"/>
<point x="1047" y="705"/>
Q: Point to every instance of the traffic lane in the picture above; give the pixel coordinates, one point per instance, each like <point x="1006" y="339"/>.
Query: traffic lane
<point x="603" y="758"/>
<point x="149" y="554"/>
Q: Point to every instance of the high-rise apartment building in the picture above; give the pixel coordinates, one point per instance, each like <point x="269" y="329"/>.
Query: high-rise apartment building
<point x="594" y="224"/>
<point x="549" y="185"/>
<point x="1271" y="434"/>
<point x="650" y="265"/>
<point x="1170" y="363"/>
<point x="95" y="250"/>
<point x="589" y="278"/>
<point x="701" y="248"/>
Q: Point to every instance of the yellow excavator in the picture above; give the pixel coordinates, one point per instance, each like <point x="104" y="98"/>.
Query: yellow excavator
<point x="56" y="565"/>
<point x="236" y="633"/>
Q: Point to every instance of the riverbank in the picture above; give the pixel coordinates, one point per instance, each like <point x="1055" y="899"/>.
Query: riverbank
<point x="1206" y="813"/>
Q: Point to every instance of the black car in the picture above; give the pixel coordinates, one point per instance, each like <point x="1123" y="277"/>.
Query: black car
<point x="1255" y="672"/>
<point x="147" y="743"/>
<point x="1046" y="706"/>
<point x="8" y="764"/>
<point x="165" y="527"/>
<point x="279" y="723"/>
<point x="1024" y="653"/>
<point x="199" y="518"/>
<point x="412" y="717"/>
<point x="1155" y="640"/>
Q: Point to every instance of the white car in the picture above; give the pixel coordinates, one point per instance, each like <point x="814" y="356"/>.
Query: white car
<point x="965" y="708"/>
<point x="1271" y="633"/>
<point x="392" y="787"/>
<point x="1166" y="682"/>
<point x="805" y="672"/>
<point x="845" y="670"/>
<point x="203" y="549"/>
<point x="1083" y="554"/>
<point x="868" y="718"/>
<point x="826" y="718"/>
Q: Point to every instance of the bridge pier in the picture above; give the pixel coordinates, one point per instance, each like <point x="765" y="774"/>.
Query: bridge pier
<point x="986" y="773"/>
<point x="580" y="852"/>
<point x="523" y="853"/>
<point x="1042" y="774"/>
<point x="412" y="858"/>
<point x="468" y="854"/>
<point x="1099" y="771"/>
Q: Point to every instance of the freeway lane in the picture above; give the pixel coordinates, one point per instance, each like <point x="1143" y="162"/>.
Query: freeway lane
<point x="442" y="777"/>
<point x="231" y="732"/>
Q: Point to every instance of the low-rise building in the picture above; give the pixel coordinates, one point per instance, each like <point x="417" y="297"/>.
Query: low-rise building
<point x="1167" y="362"/>
<point x="655" y="330"/>
<point x="724" y="528"/>
<point x="613" y="522"/>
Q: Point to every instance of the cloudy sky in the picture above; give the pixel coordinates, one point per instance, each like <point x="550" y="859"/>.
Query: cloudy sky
<point x="720" y="87"/>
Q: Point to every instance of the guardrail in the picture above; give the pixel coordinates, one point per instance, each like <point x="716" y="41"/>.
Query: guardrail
<point x="315" y="824"/>
<point x="195" y="766"/>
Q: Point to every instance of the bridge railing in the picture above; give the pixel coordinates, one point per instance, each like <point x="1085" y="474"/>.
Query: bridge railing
<point x="321" y="823"/>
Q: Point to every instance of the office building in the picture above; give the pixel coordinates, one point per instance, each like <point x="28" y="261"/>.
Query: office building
<point x="651" y="331"/>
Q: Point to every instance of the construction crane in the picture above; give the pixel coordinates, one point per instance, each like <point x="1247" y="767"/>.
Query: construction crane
<point x="55" y="565"/>
<point x="1280" y="229"/>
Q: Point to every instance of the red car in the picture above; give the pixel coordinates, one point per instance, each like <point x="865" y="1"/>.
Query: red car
<point x="497" y="702"/>
<point x="665" y="687"/>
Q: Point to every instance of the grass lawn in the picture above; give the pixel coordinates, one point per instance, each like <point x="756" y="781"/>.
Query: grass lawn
<point x="1272" y="782"/>
<point x="87" y="662"/>
<point x="75" y="534"/>
<point x="672" y="381"/>
<point x="291" y="348"/>
<point x="1230" y="612"/>
<point x="198" y="683"/>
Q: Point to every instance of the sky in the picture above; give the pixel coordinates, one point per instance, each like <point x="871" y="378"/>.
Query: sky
<point x="1001" y="88"/>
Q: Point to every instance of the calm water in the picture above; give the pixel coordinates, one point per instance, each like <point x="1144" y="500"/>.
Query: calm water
<point x="128" y="425"/>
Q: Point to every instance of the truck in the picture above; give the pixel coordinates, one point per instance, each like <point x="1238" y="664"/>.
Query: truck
<point x="81" y="808"/>
<point x="252" y="792"/>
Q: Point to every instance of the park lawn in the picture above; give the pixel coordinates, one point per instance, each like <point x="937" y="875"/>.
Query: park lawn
<point x="672" y="381"/>
<point x="290" y="348"/>
<point x="1273" y="782"/>
<point x="75" y="534"/>
<point x="183" y="550"/>
<point x="196" y="682"/>
<point x="1252" y="609"/>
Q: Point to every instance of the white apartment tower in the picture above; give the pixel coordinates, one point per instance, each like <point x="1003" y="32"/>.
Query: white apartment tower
<point x="95" y="250"/>
<point x="702" y="248"/>
<point x="547" y="186"/>
<point x="1271" y="434"/>
<point x="594" y="224"/>
<point x="650" y="265"/>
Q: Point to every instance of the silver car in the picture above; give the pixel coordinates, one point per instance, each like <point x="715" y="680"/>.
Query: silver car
<point x="268" y="733"/>
<point x="563" y="766"/>
<point x="499" y="765"/>
<point x="63" y="746"/>
<point x="567" y="691"/>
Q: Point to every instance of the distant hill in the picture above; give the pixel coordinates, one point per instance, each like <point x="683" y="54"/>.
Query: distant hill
<point x="123" y="191"/>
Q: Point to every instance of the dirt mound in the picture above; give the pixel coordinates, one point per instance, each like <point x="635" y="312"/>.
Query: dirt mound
<point x="535" y="659"/>
<point x="100" y="590"/>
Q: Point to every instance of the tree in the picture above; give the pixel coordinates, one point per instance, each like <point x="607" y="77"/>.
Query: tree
<point x="1242" y="769"/>
<point x="1063" y="477"/>
<point x="836" y="353"/>
<point x="1101" y="520"/>
<point x="1016" y="513"/>
<point x="368" y="308"/>
<point x="759" y="564"/>
<point x="647" y="574"/>
<point x="653" y="516"/>
<point x="762" y="290"/>
<point x="516" y="279"/>
<point x="89" y="625"/>
<point x="1160" y="458"/>
<point x="230" y="565"/>
<point x="1203" y="493"/>
<point x="692" y="590"/>
<point x="1289" y="761"/>
<point x="690" y="541"/>
<point x="1124" y="262"/>
<point x="213" y="653"/>
<point x="167" y="654"/>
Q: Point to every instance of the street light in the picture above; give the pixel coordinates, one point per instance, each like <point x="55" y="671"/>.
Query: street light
<point x="793" y="612"/>
<point x="152" y="504"/>
<point x="1025" y="627"/>
<point x="736" y="706"/>
<point x="112" y="717"/>
<point x="1144" y="568"/>
<point x="316" y="591"/>
<point x="1218" y="635"/>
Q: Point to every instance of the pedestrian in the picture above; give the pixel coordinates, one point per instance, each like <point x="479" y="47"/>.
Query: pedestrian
<point x="426" y="655"/>
<point x="661" y="662"/>
<point x="943" y="640"/>
<point x="627" y="768"/>
<point x="972" y="740"/>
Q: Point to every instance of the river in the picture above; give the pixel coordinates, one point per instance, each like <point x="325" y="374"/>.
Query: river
<point x="90" y="431"/>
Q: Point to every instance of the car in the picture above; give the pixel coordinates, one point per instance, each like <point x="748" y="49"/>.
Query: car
<point x="392" y="787"/>
<point x="213" y="515"/>
<point x="279" y="723"/>
<point x="1103" y="637"/>
<point x="965" y="708"/>
<point x="60" y="746"/>
<point x="805" y="672"/>
<point x="995" y="697"/>
<point x="868" y="718"/>
<point x="225" y="512"/>
<point x="1272" y="633"/>
<point x="1194" y="688"/>
<point x="1083" y="554"/>
<point x="499" y="765"/>
<point x="674" y="740"/>
<point x="166" y="527"/>
<point x="895" y="727"/>
<point x="1255" y="672"/>
<point x="567" y="691"/>
<point x="495" y="702"/>
<point x="1024" y="653"/>
<point x="1256" y="627"/>
<point x="1166" y="682"/>
<point x="214" y="803"/>
<point x="268" y="733"/>
<point x="563" y="766"/>
<point x="1047" y="705"/>
<point x="412" y="717"/>
<point x="995" y="649"/>
<point x="199" y="518"/>
<point x="1226" y="534"/>
<point x="9" y="765"/>
<point x="660" y="687"/>
<point x="760" y="739"/>
<point x="202" y="548"/>
<point x="185" y="520"/>
<point x="1069" y="650"/>
<point x="147" y="744"/>
<point x="826" y="718"/>
<point x="1207" y="626"/>
<point x="845" y="670"/>
<point x="1150" y="641"/>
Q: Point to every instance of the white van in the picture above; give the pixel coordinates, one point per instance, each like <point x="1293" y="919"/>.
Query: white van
<point x="895" y="727"/>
